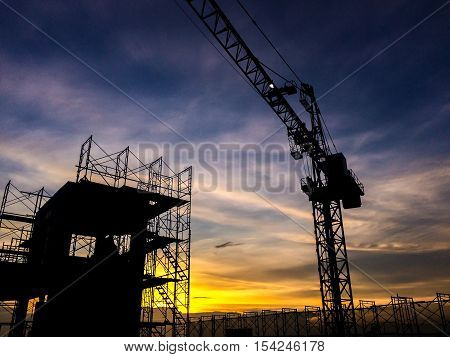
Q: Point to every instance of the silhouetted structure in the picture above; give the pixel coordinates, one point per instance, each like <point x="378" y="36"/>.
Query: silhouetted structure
<point x="328" y="180"/>
<point x="17" y="214"/>
<point x="108" y="254"/>
<point x="401" y="317"/>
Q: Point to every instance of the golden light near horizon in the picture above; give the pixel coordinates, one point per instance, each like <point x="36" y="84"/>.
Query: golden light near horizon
<point x="215" y="185"/>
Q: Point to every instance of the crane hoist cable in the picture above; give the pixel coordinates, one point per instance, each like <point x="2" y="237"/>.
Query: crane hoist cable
<point x="331" y="186"/>
<point x="268" y="39"/>
<point x="279" y="75"/>
<point x="213" y="45"/>
<point x="299" y="88"/>
<point x="252" y="19"/>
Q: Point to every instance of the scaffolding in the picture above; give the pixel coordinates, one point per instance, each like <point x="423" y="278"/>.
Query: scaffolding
<point x="10" y="310"/>
<point x="17" y="213"/>
<point x="251" y="323"/>
<point x="129" y="220"/>
<point x="313" y="321"/>
<point x="402" y="316"/>
<point x="367" y="318"/>
<point x="139" y="215"/>
<point x="166" y="276"/>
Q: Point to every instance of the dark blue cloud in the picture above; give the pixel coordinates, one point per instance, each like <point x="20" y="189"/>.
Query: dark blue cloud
<point x="390" y="118"/>
<point x="151" y="50"/>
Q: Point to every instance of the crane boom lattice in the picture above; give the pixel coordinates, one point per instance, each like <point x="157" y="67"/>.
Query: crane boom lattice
<point x="330" y="182"/>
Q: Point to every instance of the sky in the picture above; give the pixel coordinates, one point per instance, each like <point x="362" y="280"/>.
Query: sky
<point x="141" y="74"/>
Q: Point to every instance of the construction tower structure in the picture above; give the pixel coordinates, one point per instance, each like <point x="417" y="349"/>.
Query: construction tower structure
<point x="17" y="216"/>
<point x="328" y="182"/>
<point x="109" y="254"/>
<point x="164" y="245"/>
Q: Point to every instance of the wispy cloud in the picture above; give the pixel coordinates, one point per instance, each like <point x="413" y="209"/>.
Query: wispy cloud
<point x="228" y="244"/>
<point x="390" y="120"/>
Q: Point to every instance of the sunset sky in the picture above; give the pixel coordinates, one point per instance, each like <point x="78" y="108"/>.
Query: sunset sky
<point x="250" y="250"/>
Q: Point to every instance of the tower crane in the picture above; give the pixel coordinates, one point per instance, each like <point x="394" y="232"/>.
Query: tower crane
<point x="329" y="182"/>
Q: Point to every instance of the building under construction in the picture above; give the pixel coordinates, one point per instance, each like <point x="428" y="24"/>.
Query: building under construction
<point x="106" y="255"/>
<point x="109" y="255"/>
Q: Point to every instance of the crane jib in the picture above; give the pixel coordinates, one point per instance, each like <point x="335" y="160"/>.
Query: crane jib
<point x="221" y="28"/>
<point x="328" y="183"/>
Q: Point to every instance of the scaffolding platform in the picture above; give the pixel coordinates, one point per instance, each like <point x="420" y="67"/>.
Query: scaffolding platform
<point x="98" y="208"/>
<point x="17" y="217"/>
<point x="150" y="281"/>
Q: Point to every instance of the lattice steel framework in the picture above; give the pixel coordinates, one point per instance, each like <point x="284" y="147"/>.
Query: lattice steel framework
<point x="405" y="316"/>
<point x="169" y="302"/>
<point x="166" y="268"/>
<point x="367" y="318"/>
<point x="17" y="213"/>
<point x="431" y="317"/>
<point x="270" y="323"/>
<point x="313" y="323"/>
<point x="334" y="274"/>
<point x="251" y="321"/>
<point x="290" y="324"/>
<point x="335" y="283"/>
<point x="402" y="316"/>
<point x="444" y="302"/>
<point x="233" y="320"/>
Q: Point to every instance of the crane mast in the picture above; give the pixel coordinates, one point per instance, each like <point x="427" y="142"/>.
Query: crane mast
<point x="330" y="181"/>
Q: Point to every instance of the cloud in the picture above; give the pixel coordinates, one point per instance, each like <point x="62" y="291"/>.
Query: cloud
<point x="228" y="244"/>
<point x="49" y="104"/>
